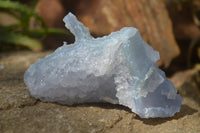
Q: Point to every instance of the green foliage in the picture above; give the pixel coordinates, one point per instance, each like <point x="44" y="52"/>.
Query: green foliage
<point x="20" y="33"/>
<point x="19" y="39"/>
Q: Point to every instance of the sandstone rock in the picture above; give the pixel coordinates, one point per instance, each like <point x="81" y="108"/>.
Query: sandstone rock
<point x="105" y="16"/>
<point x="52" y="12"/>
<point x="32" y="116"/>
<point x="13" y="92"/>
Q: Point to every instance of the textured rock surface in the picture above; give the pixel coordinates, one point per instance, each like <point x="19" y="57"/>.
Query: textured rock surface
<point x="106" y="16"/>
<point x="119" y="68"/>
<point x="13" y="93"/>
<point x="51" y="10"/>
<point x="188" y="83"/>
<point x="29" y="115"/>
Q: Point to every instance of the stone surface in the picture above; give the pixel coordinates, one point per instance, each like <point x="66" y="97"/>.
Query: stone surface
<point x="35" y="116"/>
<point x="50" y="11"/>
<point x="119" y="68"/>
<point x="12" y="92"/>
<point x="188" y="83"/>
<point x="106" y="16"/>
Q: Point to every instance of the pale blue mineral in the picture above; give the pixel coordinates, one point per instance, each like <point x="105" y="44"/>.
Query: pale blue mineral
<point x="119" y="68"/>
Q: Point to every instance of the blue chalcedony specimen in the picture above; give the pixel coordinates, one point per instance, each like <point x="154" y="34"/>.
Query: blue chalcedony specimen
<point x="119" y="68"/>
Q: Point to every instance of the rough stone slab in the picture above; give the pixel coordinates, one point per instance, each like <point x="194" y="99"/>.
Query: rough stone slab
<point x="13" y="92"/>
<point x="48" y="117"/>
<point x="27" y="115"/>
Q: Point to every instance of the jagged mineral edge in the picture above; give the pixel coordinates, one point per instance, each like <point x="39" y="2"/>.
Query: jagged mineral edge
<point x="119" y="68"/>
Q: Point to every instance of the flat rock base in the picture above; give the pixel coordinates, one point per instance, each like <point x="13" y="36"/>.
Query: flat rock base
<point x="19" y="112"/>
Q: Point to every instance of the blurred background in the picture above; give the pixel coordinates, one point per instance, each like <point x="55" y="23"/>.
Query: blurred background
<point x="171" y="27"/>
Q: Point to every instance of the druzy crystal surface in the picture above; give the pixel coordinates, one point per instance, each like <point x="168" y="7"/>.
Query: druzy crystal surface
<point x="119" y="68"/>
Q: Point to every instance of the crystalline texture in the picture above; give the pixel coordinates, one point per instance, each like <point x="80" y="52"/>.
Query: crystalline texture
<point x="119" y="68"/>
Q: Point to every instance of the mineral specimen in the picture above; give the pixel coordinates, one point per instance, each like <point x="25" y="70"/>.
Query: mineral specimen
<point x="119" y="68"/>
